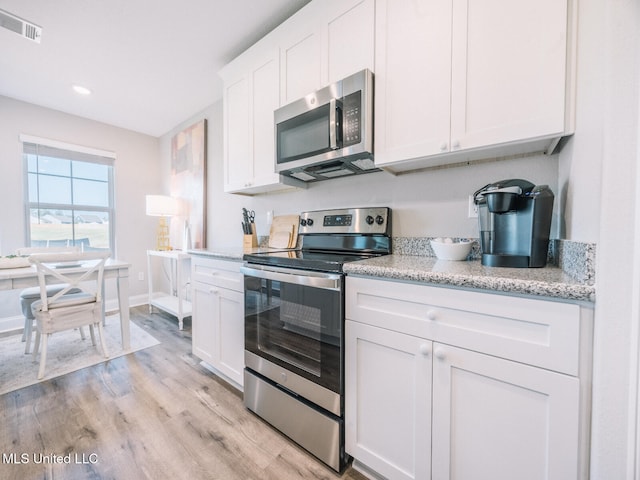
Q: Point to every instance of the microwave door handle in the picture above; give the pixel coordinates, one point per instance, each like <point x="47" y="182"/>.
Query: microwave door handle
<point x="335" y="124"/>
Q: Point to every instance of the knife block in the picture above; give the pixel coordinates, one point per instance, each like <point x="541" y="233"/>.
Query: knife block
<point x="250" y="241"/>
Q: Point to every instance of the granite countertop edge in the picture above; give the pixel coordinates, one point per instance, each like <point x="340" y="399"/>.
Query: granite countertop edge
<point x="549" y="281"/>
<point x="222" y="254"/>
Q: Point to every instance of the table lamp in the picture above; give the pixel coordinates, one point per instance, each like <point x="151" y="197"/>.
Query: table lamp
<point x="162" y="206"/>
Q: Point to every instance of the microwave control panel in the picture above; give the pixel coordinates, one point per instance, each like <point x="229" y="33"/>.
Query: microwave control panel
<point x="351" y="119"/>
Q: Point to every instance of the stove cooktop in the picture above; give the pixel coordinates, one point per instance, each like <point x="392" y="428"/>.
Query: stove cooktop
<point x="307" y="260"/>
<point x="331" y="238"/>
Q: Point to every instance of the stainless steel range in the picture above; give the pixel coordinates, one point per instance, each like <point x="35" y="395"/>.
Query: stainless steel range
<point x="294" y="326"/>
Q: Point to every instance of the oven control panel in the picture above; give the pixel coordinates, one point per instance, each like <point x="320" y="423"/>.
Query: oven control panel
<point x="337" y="220"/>
<point x="369" y="220"/>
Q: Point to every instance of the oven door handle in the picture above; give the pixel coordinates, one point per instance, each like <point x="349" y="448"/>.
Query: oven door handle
<point x="326" y="281"/>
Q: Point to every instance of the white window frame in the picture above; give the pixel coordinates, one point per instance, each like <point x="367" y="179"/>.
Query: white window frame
<point x="93" y="155"/>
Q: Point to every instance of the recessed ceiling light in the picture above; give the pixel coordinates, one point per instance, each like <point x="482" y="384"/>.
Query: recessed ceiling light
<point x="81" y="90"/>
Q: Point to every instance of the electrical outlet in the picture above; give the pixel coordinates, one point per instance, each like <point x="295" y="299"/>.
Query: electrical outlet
<point x="141" y="276"/>
<point x="473" y="208"/>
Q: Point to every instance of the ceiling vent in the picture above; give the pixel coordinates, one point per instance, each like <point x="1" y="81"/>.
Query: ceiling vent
<point x="20" y="26"/>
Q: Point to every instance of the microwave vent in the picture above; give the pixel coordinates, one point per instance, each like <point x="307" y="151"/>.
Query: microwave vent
<point x="305" y="177"/>
<point x="365" y="164"/>
<point x="21" y="27"/>
<point x="336" y="173"/>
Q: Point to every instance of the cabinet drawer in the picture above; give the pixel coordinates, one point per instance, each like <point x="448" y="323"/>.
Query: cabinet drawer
<point x="536" y="332"/>
<point x="221" y="273"/>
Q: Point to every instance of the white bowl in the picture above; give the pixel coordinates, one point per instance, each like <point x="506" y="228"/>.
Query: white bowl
<point x="451" y="250"/>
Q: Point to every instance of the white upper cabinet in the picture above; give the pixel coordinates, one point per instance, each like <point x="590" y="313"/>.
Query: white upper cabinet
<point x="325" y="41"/>
<point x="412" y="79"/>
<point x="266" y="85"/>
<point x="350" y="38"/>
<point x="459" y="80"/>
<point x="238" y="167"/>
<point x="300" y="54"/>
<point x="251" y="94"/>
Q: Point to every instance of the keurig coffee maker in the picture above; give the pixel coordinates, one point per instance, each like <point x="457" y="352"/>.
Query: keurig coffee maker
<point x="515" y="220"/>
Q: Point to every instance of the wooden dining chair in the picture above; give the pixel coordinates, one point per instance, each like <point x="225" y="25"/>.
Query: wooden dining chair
<point x="31" y="294"/>
<point x="64" y="310"/>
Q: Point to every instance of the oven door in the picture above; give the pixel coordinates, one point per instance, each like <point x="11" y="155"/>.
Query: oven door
<point x="294" y="322"/>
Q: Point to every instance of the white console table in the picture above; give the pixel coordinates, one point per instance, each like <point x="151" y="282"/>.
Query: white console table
<point x="174" y="302"/>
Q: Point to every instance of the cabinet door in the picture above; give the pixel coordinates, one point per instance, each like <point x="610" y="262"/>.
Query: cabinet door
<point x="265" y="99"/>
<point x="237" y="133"/>
<point x="388" y="401"/>
<point x="413" y="79"/>
<point x="228" y="337"/>
<point x="508" y="71"/>
<point x="498" y="420"/>
<point x="300" y="53"/>
<point x="350" y="37"/>
<point x="203" y="322"/>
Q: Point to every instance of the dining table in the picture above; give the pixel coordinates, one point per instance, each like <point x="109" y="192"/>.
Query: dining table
<point x="26" y="276"/>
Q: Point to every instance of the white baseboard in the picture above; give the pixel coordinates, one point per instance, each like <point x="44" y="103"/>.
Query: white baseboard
<point x="9" y="325"/>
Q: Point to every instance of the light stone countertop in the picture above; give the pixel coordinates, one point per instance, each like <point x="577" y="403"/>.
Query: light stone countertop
<point x="221" y="253"/>
<point x="230" y="253"/>
<point x="549" y="281"/>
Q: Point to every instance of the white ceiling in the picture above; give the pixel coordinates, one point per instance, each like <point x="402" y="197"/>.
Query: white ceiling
<point x="151" y="64"/>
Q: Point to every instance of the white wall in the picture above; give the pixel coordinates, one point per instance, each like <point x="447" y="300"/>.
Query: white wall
<point x="136" y="174"/>
<point x="580" y="165"/>
<point x="429" y="203"/>
<point x="615" y="402"/>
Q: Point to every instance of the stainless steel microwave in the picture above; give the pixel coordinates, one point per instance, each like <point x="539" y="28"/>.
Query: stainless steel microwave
<point x="328" y="133"/>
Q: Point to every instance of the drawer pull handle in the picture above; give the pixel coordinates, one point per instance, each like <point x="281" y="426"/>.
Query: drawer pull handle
<point x="431" y="315"/>
<point x="440" y="353"/>
<point x="214" y="291"/>
<point x="424" y="349"/>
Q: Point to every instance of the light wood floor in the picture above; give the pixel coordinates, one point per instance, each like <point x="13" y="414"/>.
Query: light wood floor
<point x="154" y="414"/>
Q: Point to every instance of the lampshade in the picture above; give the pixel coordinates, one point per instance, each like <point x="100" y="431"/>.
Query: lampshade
<point x="162" y="206"/>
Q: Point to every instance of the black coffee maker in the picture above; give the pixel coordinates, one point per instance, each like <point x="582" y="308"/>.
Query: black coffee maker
<point x="515" y="220"/>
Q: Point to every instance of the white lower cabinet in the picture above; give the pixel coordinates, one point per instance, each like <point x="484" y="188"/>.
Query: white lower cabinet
<point x="388" y="401"/>
<point x="218" y="316"/>
<point x="498" y="419"/>
<point x="418" y="408"/>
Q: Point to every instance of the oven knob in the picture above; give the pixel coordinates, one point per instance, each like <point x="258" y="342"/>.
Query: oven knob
<point x="303" y="222"/>
<point x="310" y="222"/>
<point x="369" y="220"/>
<point x="379" y="219"/>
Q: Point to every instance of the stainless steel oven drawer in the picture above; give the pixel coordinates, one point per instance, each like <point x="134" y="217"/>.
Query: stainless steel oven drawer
<point x="315" y="431"/>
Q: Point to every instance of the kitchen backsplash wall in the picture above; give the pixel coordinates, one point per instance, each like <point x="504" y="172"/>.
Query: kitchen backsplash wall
<point x="576" y="259"/>
<point x="431" y="203"/>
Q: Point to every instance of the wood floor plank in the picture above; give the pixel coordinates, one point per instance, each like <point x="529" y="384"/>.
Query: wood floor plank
<point x="153" y="414"/>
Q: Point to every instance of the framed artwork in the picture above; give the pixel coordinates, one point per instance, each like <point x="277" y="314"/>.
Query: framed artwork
<point x="188" y="181"/>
